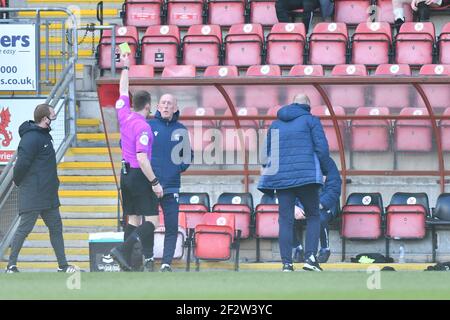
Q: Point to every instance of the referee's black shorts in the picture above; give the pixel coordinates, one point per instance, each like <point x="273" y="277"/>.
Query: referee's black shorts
<point x="138" y="197"/>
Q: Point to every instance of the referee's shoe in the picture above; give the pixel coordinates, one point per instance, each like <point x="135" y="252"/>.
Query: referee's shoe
<point x="311" y="264"/>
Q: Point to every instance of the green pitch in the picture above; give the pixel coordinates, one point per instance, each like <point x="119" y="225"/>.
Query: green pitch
<point x="228" y="285"/>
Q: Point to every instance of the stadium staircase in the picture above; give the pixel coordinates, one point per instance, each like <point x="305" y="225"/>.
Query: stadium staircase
<point x="87" y="193"/>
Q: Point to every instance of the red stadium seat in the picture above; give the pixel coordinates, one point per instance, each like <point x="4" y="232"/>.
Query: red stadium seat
<point x="370" y="135"/>
<point x="351" y="11"/>
<point x="123" y="34"/>
<point x="406" y="215"/>
<point x="263" y="12"/>
<point x="413" y="135"/>
<point x="200" y="131"/>
<point x="361" y="218"/>
<point x="348" y="96"/>
<point x="285" y="44"/>
<point x="239" y="205"/>
<point x="194" y="206"/>
<point x="160" y="45"/>
<point x="226" y="12"/>
<point x="444" y="44"/>
<point x="253" y="94"/>
<point x="385" y="11"/>
<point x="244" y="44"/>
<point x="160" y="231"/>
<point x="266" y="218"/>
<point x="202" y="45"/>
<point x="437" y="94"/>
<point x="328" y="44"/>
<point x="142" y="13"/>
<point x="445" y="131"/>
<point x="230" y="133"/>
<point x="184" y="13"/>
<point x="388" y="95"/>
<point x="305" y="71"/>
<point x="371" y="43"/>
<point x="141" y="71"/>
<point x="215" y="238"/>
<point x="414" y="43"/>
<point x="185" y="71"/>
<point x="328" y="126"/>
<point x="212" y="98"/>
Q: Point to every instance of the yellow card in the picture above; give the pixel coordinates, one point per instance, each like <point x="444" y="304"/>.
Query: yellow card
<point x="124" y="48"/>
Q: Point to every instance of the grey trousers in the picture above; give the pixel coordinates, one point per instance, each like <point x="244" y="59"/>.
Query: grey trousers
<point x="52" y="220"/>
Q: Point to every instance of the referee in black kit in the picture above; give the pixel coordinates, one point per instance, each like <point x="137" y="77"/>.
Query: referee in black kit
<point x="139" y="185"/>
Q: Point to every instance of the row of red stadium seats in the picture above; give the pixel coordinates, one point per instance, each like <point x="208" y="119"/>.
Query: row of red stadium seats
<point x="184" y="13"/>
<point x="363" y="217"/>
<point x="363" y="135"/>
<point x="286" y="45"/>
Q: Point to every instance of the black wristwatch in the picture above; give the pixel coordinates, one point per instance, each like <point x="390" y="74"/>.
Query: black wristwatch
<point x="154" y="182"/>
<point x="126" y="68"/>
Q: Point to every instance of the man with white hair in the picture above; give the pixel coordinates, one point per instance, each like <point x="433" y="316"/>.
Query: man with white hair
<point x="172" y="155"/>
<point x="293" y="170"/>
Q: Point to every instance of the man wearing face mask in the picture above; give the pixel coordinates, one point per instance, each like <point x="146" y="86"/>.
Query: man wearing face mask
<point x="35" y="174"/>
<point x="172" y="156"/>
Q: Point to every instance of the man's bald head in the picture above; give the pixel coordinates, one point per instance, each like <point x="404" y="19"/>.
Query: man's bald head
<point x="167" y="106"/>
<point x="301" y="98"/>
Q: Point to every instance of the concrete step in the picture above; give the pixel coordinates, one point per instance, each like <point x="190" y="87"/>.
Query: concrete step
<point x="89" y="212"/>
<point x="97" y="139"/>
<point x="88" y="180"/>
<point x="80" y="229"/>
<point x="93" y="154"/>
<point x="67" y="243"/>
<point x="88" y="187"/>
<point x="90" y="14"/>
<point x="45" y="251"/>
<point x="84" y="222"/>
<point x="87" y="168"/>
<point x="89" y="126"/>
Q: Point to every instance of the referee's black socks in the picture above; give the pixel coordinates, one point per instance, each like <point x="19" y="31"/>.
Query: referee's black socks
<point x="146" y="232"/>
<point x="128" y="230"/>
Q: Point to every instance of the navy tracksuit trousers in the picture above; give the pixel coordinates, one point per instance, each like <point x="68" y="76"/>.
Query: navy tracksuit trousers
<point x="170" y="207"/>
<point x="309" y="197"/>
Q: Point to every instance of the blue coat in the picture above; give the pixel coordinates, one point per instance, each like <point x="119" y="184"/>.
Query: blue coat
<point x="331" y="190"/>
<point x="296" y="160"/>
<point x="167" y="136"/>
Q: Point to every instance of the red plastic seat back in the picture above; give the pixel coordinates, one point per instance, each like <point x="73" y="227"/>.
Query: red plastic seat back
<point x="181" y="219"/>
<point x="285" y="44"/>
<point x="194" y="214"/>
<point x="328" y="126"/>
<point x="212" y="98"/>
<point x="253" y="94"/>
<point x="263" y="12"/>
<point x="160" y="45"/>
<point x="348" y="95"/>
<point x="351" y="11"/>
<point x="309" y="90"/>
<point x="361" y="222"/>
<point x="371" y="43"/>
<point x="414" y="43"/>
<point x="405" y="221"/>
<point x="413" y="135"/>
<point x="141" y="71"/>
<point x="388" y="95"/>
<point x="184" y="13"/>
<point x="444" y="44"/>
<point x="241" y="213"/>
<point x="267" y="221"/>
<point x="200" y="133"/>
<point x="127" y="34"/>
<point x="370" y="135"/>
<point x="445" y="131"/>
<point x="226" y="12"/>
<point x="438" y="95"/>
<point x="328" y="44"/>
<point x="179" y="71"/>
<point x="244" y="44"/>
<point x="142" y="13"/>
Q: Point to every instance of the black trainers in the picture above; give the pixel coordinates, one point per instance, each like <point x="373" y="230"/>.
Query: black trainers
<point x="165" y="268"/>
<point x="149" y="265"/>
<point x="311" y="264"/>
<point x="323" y="256"/>
<point x="117" y="254"/>
<point x="12" y="269"/>
<point x="288" y="267"/>
<point x="398" y="23"/>
<point x="68" y="269"/>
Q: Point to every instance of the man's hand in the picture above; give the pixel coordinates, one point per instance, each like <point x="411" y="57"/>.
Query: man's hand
<point x="158" y="190"/>
<point x="299" y="214"/>
<point x="414" y="4"/>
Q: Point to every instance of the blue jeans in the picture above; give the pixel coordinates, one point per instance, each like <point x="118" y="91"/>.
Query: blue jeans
<point x="309" y="197"/>
<point x="170" y="207"/>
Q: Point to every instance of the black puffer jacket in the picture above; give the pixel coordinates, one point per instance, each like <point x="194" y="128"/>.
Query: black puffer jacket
<point x="35" y="170"/>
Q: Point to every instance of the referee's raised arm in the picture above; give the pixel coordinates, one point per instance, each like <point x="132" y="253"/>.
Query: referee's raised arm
<point x="124" y="82"/>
